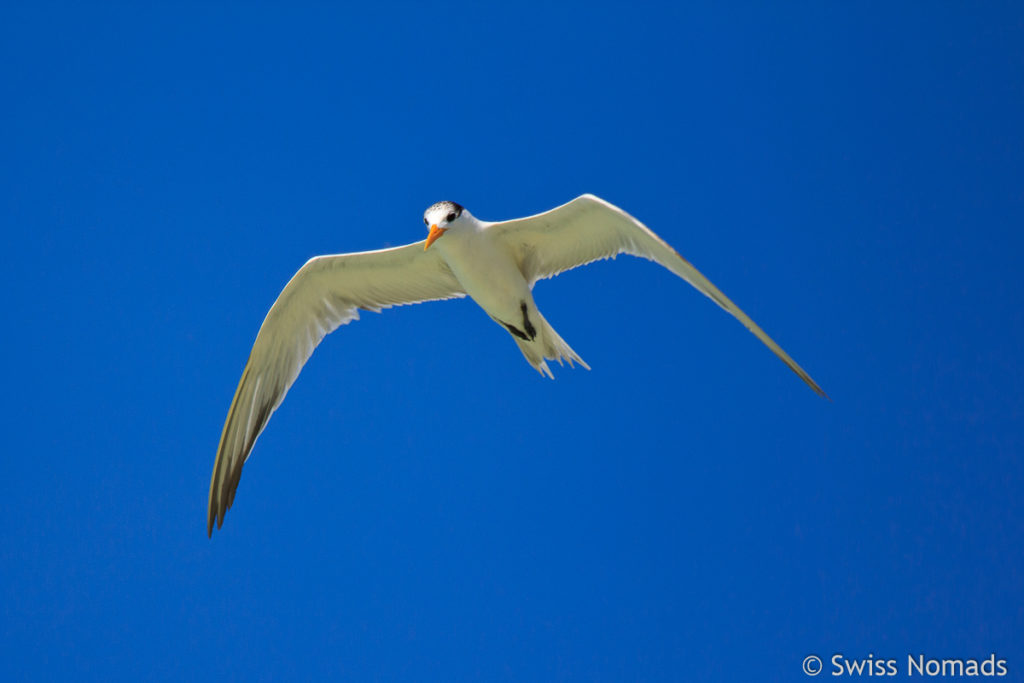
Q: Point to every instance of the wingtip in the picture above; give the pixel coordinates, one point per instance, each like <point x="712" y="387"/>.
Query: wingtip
<point x="818" y="390"/>
<point x="214" y="517"/>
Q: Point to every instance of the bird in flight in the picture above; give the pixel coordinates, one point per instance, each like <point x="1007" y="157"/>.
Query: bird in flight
<point x="496" y="264"/>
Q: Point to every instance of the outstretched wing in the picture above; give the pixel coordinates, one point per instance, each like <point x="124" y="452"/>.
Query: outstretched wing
<point x="325" y="293"/>
<point x="589" y="229"/>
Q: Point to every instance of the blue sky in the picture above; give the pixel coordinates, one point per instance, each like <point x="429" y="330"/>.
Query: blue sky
<point x="424" y="506"/>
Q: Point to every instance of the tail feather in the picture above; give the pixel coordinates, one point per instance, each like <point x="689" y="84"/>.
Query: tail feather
<point x="547" y="345"/>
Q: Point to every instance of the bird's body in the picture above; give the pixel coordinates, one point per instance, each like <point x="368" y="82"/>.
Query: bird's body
<point x="486" y="269"/>
<point x="496" y="264"/>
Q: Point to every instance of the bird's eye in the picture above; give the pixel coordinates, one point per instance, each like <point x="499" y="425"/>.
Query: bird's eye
<point x="450" y="217"/>
<point x="425" y="221"/>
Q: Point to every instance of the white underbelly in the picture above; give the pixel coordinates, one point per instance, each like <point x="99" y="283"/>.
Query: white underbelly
<point x="488" y="274"/>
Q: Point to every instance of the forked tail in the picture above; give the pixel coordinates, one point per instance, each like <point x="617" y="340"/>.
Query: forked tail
<point x="545" y="346"/>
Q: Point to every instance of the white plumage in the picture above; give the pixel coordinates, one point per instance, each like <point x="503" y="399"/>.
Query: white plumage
<point x="496" y="264"/>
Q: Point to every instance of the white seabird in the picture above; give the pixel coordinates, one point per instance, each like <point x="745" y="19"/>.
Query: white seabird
<point x="496" y="264"/>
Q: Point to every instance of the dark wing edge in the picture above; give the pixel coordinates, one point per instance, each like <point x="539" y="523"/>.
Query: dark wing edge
<point x="589" y="229"/>
<point x="327" y="292"/>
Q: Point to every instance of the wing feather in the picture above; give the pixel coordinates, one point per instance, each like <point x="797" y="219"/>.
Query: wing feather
<point x="589" y="229"/>
<point x="327" y="292"/>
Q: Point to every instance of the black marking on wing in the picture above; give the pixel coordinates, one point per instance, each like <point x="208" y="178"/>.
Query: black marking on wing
<point x="512" y="328"/>
<point x="516" y="331"/>
<point x="530" y="330"/>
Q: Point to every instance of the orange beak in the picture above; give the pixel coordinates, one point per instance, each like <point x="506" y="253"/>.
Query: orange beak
<point x="435" y="232"/>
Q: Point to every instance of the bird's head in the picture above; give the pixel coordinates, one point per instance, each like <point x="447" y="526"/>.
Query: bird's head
<point x="441" y="218"/>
